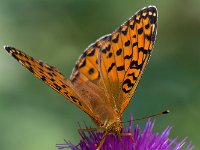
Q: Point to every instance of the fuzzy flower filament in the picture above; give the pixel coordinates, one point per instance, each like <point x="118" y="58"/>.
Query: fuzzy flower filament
<point x="144" y="139"/>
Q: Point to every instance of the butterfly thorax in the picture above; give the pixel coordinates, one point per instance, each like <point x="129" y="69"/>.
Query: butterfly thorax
<point x="115" y="127"/>
<point x="111" y="122"/>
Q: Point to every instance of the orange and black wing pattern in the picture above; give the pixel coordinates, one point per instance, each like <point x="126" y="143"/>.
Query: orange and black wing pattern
<point x="115" y="62"/>
<point x="106" y="75"/>
<point x="50" y="75"/>
<point x="142" y="29"/>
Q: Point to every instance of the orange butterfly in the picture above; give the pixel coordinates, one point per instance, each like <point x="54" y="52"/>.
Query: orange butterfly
<point x="106" y="75"/>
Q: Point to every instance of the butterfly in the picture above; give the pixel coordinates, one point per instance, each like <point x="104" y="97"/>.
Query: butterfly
<point x="106" y="75"/>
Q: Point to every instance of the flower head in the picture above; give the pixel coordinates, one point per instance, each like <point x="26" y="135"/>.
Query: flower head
<point x="144" y="139"/>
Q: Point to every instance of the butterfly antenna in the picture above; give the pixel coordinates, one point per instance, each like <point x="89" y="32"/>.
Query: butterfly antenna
<point x="146" y="117"/>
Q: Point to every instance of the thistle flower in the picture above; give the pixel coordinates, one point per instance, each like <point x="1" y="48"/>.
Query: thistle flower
<point x="144" y="139"/>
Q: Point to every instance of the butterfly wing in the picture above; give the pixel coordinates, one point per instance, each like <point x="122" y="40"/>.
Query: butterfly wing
<point x="115" y="63"/>
<point x="87" y="79"/>
<point x="107" y="73"/>
<point x="50" y="75"/>
<point x="142" y="30"/>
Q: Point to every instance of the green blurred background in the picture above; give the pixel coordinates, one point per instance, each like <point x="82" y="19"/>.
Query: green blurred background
<point x="34" y="117"/>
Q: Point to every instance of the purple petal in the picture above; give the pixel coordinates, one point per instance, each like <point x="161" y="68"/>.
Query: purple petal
<point x="144" y="139"/>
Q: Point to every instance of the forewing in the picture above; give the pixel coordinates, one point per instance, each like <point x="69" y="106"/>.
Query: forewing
<point x="115" y="63"/>
<point x="88" y="81"/>
<point x="142" y="29"/>
<point x="125" y="54"/>
<point x="50" y="75"/>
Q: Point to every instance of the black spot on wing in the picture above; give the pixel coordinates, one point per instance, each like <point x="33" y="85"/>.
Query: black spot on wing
<point x="75" y="100"/>
<point x="111" y="67"/>
<point x="135" y="44"/>
<point x="91" y="53"/>
<point x="124" y="32"/>
<point x="30" y="69"/>
<point x="41" y="63"/>
<point x="120" y="68"/>
<point x="134" y="65"/>
<point x="132" y="75"/>
<point x="134" y="36"/>
<point x="109" y="55"/>
<point x="27" y="62"/>
<point x="83" y="63"/>
<point x="129" y="84"/>
<point x="143" y="50"/>
<point x="57" y="87"/>
<point x="15" y="56"/>
<point x="127" y="43"/>
<point x="152" y="18"/>
<point x="147" y="26"/>
<point x="107" y="49"/>
<point x="128" y="56"/>
<point x="63" y="85"/>
<point x="118" y="52"/>
<point x="148" y="37"/>
<point x="91" y="71"/>
<point x="115" y="40"/>
<point x="52" y="79"/>
<point x="50" y="74"/>
<point x="140" y="31"/>
<point x="125" y="90"/>
<point x="43" y="78"/>
<point x="41" y="70"/>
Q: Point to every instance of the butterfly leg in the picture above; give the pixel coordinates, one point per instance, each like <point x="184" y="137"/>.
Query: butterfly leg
<point x="120" y="139"/>
<point x="125" y="134"/>
<point x="86" y="130"/>
<point x="128" y="134"/>
<point x="102" y="140"/>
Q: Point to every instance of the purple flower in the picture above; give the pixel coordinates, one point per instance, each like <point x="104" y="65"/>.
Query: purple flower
<point x="144" y="139"/>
